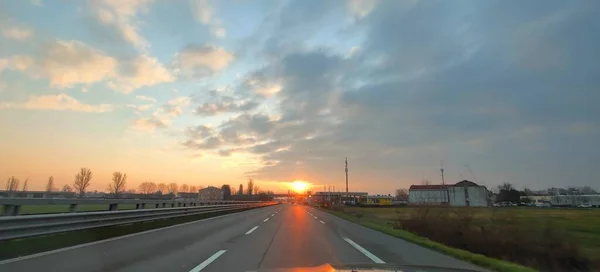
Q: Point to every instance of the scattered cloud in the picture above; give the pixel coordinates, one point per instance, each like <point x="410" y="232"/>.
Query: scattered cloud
<point x="202" y="60"/>
<point x="122" y="16"/>
<point x="146" y="98"/>
<point x="361" y="8"/>
<point x="204" y="13"/>
<point x="210" y="109"/>
<point x="140" y="72"/>
<point x="15" y="32"/>
<point x="66" y="63"/>
<point x="60" y="102"/>
<point x="174" y="107"/>
<point x="149" y="123"/>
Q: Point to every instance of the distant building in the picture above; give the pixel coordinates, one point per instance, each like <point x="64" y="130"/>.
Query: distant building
<point x="210" y="193"/>
<point x="464" y="193"/>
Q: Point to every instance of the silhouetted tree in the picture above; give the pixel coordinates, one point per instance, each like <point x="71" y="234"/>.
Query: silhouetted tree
<point x="67" y="188"/>
<point x="117" y="186"/>
<point x="250" y="187"/>
<point x="12" y="184"/>
<point x="587" y="190"/>
<point x="172" y="188"/>
<point x="193" y="189"/>
<point x="402" y="194"/>
<point x="506" y="192"/>
<point x="241" y="190"/>
<point x="184" y="188"/>
<point x="226" y="192"/>
<point x="82" y="181"/>
<point x="162" y="188"/>
<point x="50" y="184"/>
<point x="25" y="185"/>
<point x="147" y="187"/>
<point x="425" y="182"/>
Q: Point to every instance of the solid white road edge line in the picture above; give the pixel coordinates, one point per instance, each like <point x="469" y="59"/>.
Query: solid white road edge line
<point x="110" y="239"/>
<point x="321" y="221"/>
<point x="315" y="217"/>
<point x="266" y="220"/>
<point x="272" y="215"/>
<point x="364" y="251"/>
<point x="252" y="229"/>
<point x="208" y="261"/>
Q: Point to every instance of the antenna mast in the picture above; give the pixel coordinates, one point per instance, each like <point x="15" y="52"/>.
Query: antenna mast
<point x="346" y="175"/>
<point x="442" y="170"/>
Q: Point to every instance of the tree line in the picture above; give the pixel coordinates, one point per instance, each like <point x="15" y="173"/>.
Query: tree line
<point x="117" y="186"/>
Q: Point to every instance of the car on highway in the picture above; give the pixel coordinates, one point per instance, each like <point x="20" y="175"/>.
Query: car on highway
<point x="584" y="206"/>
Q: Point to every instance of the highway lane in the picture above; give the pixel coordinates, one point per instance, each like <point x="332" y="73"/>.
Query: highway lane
<point x="279" y="236"/>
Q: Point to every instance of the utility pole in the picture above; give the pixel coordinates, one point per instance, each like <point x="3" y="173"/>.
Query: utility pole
<point x="442" y="170"/>
<point x="346" y="174"/>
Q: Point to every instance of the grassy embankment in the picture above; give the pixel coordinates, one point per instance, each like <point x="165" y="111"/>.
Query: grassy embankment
<point x="568" y="237"/>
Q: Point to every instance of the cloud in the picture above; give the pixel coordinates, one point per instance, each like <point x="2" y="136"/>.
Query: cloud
<point x="19" y="33"/>
<point x="202" y="60"/>
<point x="60" y="102"/>
<point x="210" y="109"/>
<point x="146" y="98"/>
<point x="149" y="123"/>
<point x="67" y="63"/>
<point x="140" y="72"/>
<point x="122" y="16"/>
<point x="204" y="13"/>
<point x="361" y="8"/>
<point x="174" y="107"/>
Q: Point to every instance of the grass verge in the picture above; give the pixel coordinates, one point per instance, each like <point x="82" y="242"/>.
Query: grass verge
<point x="478" y="259"/>
<point x="31" y="245"/>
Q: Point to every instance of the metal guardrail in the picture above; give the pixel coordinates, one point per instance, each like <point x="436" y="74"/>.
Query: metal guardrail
<point x="12" y="227"/>
<point x="12" y="206"/>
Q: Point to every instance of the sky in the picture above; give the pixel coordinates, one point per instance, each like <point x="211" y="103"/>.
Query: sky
<point x="215" y="92"/>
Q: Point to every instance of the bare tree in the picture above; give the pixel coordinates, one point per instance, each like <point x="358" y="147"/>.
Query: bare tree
<point x="50" y="185"/>
<point x="233" y="190"/>
<point x="12" y="184"/>
<point x="82" y="181"/>
<point x="402" y="194"/>
<point x="117" y="186"/>
<point x="250" y="187"/>
<point x="172" y="188"/>
<point x="25" y="185"/>
<point x="162" y="188"/>
<point x="185" y="188"/>
<point x="256" y="189"/>
<point x="425" y="182"/>
<point x="147" y="187"/>
<point x="193" y="189"/>
<point x="241" y="189"/>
<point x="67" y="188"/>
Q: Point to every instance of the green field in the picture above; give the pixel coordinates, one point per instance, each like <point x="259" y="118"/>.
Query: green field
<point x="582" y="226"/>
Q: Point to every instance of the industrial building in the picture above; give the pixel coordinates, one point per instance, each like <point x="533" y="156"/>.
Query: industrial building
<point x="461" y="194"/>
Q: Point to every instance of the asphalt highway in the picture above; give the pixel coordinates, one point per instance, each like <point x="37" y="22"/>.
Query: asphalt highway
<point x="280" y="236"/>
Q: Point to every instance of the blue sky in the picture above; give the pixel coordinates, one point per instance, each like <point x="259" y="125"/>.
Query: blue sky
<point x="214" y="92"/>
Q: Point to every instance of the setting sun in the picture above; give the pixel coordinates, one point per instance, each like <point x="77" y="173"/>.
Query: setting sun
<point x="300" y="186"/>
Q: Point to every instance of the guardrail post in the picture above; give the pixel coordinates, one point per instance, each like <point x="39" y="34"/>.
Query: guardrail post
<point x="12" y="210"/>
<point x="185" y="204"/>
<point x="113" y="207"/>
<point x="73" y="208"/>
<point x="164" y="205"/>
<point x="172" y="205"/>
<point x="137" y="206"/>
<point x="156" y="206"/>
<point x="179" y="204"/>
<point x="143" y="205"/>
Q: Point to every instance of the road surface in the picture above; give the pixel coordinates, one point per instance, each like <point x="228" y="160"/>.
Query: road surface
<point x="279" y="236"/>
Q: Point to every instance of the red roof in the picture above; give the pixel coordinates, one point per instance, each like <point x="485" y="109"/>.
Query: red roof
<point x="429" y="187"/>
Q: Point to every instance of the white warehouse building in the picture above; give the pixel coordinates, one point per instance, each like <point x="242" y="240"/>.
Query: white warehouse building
<point x="461" y="194"/>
